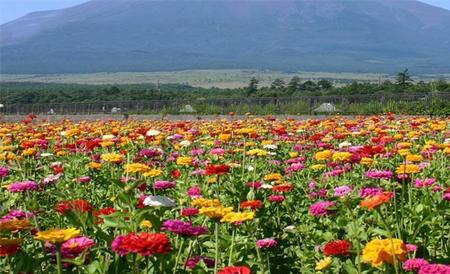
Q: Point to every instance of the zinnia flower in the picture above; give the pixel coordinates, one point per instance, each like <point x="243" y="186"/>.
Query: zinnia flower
<point x="337" y="247"/>
<point x="377" y="200"/>
<point x="434" y="269"/>
<point x="323" y="264"/>
<point x="235" y="270"/>
<point x="77" y="206"/>
<point x="378" y="251"/>
<point x="192" y="262"/>
<point x="159" y="201"/>
<point x="9" y="247"/>
<point x="322" y="208"/>
<point x="57" y="236"/>
<point x="183" y="228"/>
<point x="414" y="264"/>
<point x="22" y="186"/>
<point x="144" y="244"/>
<point x="266" y="243"/>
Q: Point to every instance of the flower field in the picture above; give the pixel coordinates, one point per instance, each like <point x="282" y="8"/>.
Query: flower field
<point x="258" y="195"/>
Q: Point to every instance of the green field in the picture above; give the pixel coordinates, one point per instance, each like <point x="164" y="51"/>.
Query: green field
<point x="203" y="78"/>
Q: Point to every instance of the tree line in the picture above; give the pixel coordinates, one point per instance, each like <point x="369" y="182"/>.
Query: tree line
<point x="35" y="93"/>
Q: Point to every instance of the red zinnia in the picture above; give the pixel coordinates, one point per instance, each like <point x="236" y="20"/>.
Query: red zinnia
<point x="337" y="247"/>
<point x="175" y="173"/>
<point x="217" y="169"/>
<point x="9" y="249"/>
<point x="283" y="188"/>
<point x="78" y="206"/>
<point x="253" y="204"/>
<point x="144" y="244"/>
<point x="235" y="270"/>
<point x="103" y="211"/>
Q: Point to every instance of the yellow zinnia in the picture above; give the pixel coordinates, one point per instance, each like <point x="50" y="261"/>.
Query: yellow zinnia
<point x="323" y="155"/>
<point x="215" y="212"/>
<point x="184" y="161"/>
<point x="112" y="157"/>
<point x="202" y="202"/>
<point x="407" y="169"/>
<point x="324" y="263"/>
<point x="57" y="236"/>
<point x="380" y="251"/>
<point x="235" y="217"/>
<point x="136" y="168"/>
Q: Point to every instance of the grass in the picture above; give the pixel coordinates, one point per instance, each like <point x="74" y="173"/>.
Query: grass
<point x="231" y="78"/>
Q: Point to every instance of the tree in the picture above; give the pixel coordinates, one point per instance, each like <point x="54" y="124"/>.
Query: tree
<point x="252" y="86"/>
<point x="309" y="86"/>
<point x="325" y="84"/>
<point x="294" y="84"/>
<point x="278" y="84"/>
<point x="403" y="78"/>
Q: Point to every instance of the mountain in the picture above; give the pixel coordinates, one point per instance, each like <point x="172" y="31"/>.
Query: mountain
<point x="287" y="35"/>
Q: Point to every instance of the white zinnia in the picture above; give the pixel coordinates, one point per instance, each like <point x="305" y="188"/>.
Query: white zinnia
<point x="159" y="201"/>
<point x="153" y="132"/>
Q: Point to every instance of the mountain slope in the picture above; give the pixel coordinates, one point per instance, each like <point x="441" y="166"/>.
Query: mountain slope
<point x="144" y="35"/>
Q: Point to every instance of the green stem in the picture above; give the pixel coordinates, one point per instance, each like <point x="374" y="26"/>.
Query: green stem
<point x="216" y="257"/>
<point x="178" y="256"/>
<point x="58" y="259"/>
<point x="232" y="246"/>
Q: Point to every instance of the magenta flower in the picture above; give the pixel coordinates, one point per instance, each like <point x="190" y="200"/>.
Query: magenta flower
<point x="424" y="183"/>
<point x="149" y="153"/>
<point x="370" y="191"/>
<point x="276" y="198"/>
<point x="414" y="264"/>
<point x="434" y="269"/>
<point x="75" y="246"/>
<point x="17" y="214"/>
<point x="379" y="174"/>
<point x="164" y="185"/>
<point x="117" y="245"/>
<point x="266" y="243"/>
<point x="183" y="228"/>
<point x="254" y="185"/>
<point x="194" y="192"/>
<point x="193" y="261"/>
<point x="342" y="191"/>
<point x="190" y="211"/>
<point x="322" y="208"/>
<point x="294" y="167"/>
<point x="23" y="186"/>
<point x="4" y="171"/>
<point x="217" y="151"/>
<point x="84" y="179"/>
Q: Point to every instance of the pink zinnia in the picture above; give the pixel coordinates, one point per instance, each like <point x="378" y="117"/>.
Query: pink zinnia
<point x="75" y="246"/>
<point x="424" y="183"/>
<point x="370" y="191"/>
<point x="84" y="179"/>
<point x="414" y="264"/>
<point x="276" y="198"/>
<point x="190" y="211"/>
<point x="164" y="185"/>
<point x="434" y="269"/>
<point x="4" y="171"/>
<point x="194" y="192"/>
<point x="23" y="186"/>
<point x="266" y="243"/>
<point x="322" y="208"/>
<point x="342" y="191"/>
<point x="379" y="174"/>
<point x="217" y="151"/>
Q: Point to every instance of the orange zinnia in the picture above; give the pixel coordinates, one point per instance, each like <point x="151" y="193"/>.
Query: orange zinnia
<point x="377" y="200"/>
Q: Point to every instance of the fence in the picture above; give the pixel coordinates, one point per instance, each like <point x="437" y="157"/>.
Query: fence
<point x="289" y="105"/>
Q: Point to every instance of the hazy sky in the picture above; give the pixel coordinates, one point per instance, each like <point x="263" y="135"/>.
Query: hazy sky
<point x="12" y="9"/>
